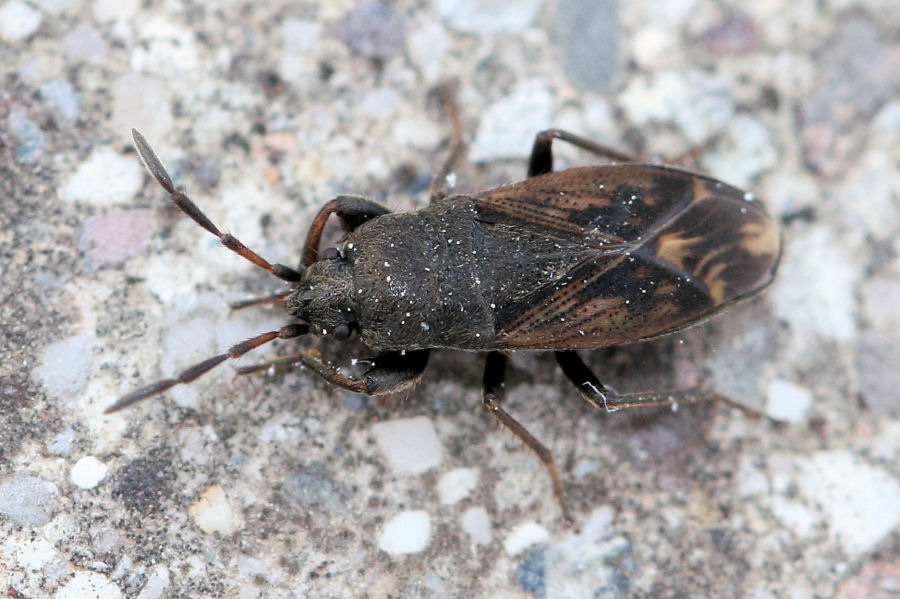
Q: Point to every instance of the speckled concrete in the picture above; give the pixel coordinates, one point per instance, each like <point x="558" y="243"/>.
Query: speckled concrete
<point x="278" y="485"/>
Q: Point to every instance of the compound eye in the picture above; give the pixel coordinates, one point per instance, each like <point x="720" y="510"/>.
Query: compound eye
<point x="330" y="254"/>
<point x="341" y="331"/>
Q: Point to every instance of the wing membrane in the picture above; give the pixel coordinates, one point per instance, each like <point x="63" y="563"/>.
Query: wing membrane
<point x="669" y="249"/>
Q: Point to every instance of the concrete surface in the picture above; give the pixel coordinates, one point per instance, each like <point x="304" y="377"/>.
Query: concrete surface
<point x="280" y="486"/>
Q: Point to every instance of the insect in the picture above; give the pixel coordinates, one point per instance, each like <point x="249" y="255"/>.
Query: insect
<point x="582" y="258"/>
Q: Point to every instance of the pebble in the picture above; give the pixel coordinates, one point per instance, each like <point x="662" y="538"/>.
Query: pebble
<point x="410" y="445"/>
<point x="85" y="584"/>
<point x="696" y="101"/>
<point x="751" y="479"/>
<point x="816" y="288"/>
<point x="110" y="239"/>
<point x="156" y="584"/>
<point x="88" y="472"/>
<point x="488" y="16"/>
<point x="33" y="554"/>
<point x="588" y="33"/>
<point x="65" y="367"/>
<point x="31" y="137"/>
<point x="794" y="515"/>
<point x="477" y="524"/>
<point x="115" y="10"/>
<point x="428" y="44"/>
<point x="788" y="402"/>
<point x="508" y="126"/>
<point x="299" y="36"/>
<point x="60" y="96"/>
<point x="406" y="533"/>
<point x="877" y="355"/>
<point x="62" y="443"/>
<point x="861" y="503"/>
<point x="17" y="21"/>
<point x="736" y="33"/>
<point x="524" y="536"/>
<point x="586" y="560"/>
<point x="144" y="103"/>
<point x="650" y="45"/>
<point x="747" y="152"/>
<point x="212" y="512"/>
<point x="457" y="484"/>
<point x="372" y="30"/>
<point x="27" y="500"/>
<point x="876" y="580"/>
<point x="104" y="179"/>
<point x="168" y="49"/>
<point x="85" y="43"/>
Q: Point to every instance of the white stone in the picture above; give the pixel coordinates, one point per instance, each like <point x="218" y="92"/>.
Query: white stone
<point x="582" y="561"/>
<point x="106" y="178"/>
<point x="488" y="16"/>
<point x="144" y="103"/>
<point x="34" y="554"/>
<point x="508" y="126"/>
<point x="696" y="101"/>
<point x="815" y="290"/>
<point x="794" y="515"/>
<point x="860" y="502"/>
<point x="457" y="484"/>
<point x="650" y="44"/>
<point x="88" y="472"/>
<point x="406" y="533"/>
<point x="744" y="154"/>
<point x="65" y="367"/>
<point x="300" y="36"/>
<point x="89" y="584"/>
<point x="114" y="10"/>
<point x="524" y="536"/>
<point x="428" y="44"/>
<point x="751" y="480"/>
<point x="168" y="48"/>
<point x="410" y="445"/>
<point x="18" y="21"/>
<point x="477" y="523"/>
<point x="156" y="584"/>
<point x="787" y="402"/>
<point x="212" y="512"/>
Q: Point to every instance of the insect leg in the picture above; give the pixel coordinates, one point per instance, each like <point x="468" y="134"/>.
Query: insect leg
<point x="604" y="398"/>
<point x="351" y="210"/>
<point x="541" y="160"/>
<point x="437" y="188"/>
<point x="390" y="371"/>
<point x="492" y="395"/>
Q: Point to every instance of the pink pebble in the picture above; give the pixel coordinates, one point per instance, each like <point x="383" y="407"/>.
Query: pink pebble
<point x="110" y="239"/>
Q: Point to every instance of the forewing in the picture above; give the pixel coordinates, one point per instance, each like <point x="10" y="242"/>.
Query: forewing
<point x="670" y="248"/>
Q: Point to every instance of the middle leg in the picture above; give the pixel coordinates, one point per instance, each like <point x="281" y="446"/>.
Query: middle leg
<point x="492" y="395"/>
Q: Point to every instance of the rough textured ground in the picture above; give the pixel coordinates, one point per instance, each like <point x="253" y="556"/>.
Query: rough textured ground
<point x="281" y="486"/>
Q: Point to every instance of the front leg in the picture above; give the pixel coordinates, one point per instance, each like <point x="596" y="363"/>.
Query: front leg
<point x="389" y="372"/>
<point x="352" y="212"/>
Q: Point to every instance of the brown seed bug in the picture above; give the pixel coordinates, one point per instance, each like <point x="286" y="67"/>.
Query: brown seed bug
<point x="583" y="258"/>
